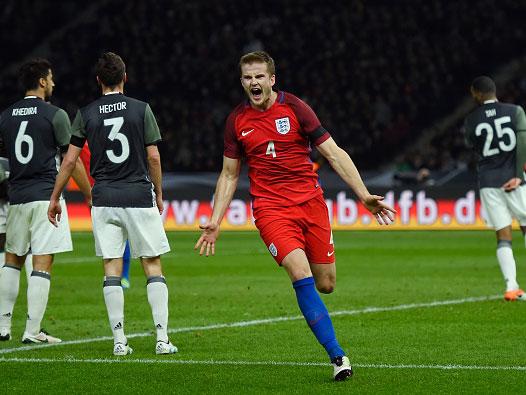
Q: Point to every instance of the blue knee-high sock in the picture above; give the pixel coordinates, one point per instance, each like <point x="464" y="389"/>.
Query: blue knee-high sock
<point x="317" y="316"/>
<point x="126" y="261"/>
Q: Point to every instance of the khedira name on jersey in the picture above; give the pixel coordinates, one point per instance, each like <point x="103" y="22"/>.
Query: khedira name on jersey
<point x="24" y="111"/>
<point x="107" y="108"/>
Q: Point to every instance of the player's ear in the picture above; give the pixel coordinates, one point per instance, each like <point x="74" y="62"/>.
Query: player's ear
<point x="42" y="82"/>
<point x="474" y="94"/>
<point x="272" y="79"/>
<point x="125" y="79"/>
<point x="98" y="81"/>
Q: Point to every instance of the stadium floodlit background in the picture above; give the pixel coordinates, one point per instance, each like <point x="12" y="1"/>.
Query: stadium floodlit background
<point x="389" y="80"/>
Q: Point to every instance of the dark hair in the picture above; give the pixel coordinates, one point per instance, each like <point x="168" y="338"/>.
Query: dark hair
<point x="32" y="71"/>
<point x="484" y="85"/>
<point x="258" y="57"/>
<point x="110" y="69"/>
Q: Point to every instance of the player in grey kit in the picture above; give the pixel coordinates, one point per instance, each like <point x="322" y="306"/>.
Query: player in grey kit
<point x="33" y="132"/>
<point x="497" y="133"/>
<point x="122" y="135"/>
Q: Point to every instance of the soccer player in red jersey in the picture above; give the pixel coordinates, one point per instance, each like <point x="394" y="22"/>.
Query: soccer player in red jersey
<point x="274" y="130"/>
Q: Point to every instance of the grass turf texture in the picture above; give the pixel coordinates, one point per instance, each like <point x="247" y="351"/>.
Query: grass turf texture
<point x="242" y="283"/>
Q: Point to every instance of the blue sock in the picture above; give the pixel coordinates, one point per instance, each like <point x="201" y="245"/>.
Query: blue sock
<point x="126" y="262"/>
<point x="317" y="316"/>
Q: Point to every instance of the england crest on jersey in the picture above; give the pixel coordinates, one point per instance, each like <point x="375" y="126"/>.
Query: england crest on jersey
<point x="283" y="125"/>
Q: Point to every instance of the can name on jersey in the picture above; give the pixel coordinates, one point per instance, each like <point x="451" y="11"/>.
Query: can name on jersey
<point x="24" y="111"/>
<point x="491" y="113"/>
<point x="107" y="108"/>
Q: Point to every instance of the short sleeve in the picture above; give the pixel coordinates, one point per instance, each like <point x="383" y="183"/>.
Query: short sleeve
<point x="232" y="148"/>
<point x="152" y="134"/>
<point x="78" y="131"/>
<point x="308" y="120"/>
<point x="520" y="120"/>
<point x="62" y="128"/>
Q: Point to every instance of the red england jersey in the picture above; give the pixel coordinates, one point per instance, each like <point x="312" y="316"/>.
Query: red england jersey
<point x="276" y="143"/>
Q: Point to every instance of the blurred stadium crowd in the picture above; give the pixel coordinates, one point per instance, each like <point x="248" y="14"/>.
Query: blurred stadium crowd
<point x="376" y="73"/>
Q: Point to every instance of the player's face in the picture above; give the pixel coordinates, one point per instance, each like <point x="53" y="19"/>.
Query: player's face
<point x="257" y="83"/>
<point x="48" y="84"/>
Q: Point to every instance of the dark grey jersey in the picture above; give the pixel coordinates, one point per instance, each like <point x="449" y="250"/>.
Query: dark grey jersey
<point x="32" y="131"/>
<point x="118" y="129"/>
<point x="492" y="130"/>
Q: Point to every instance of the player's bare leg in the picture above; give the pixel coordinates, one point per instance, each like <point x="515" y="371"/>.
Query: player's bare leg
<point x="507" y="265"/>
<point x="37" y="296"/>
<point x="324" y="276"/>
<point x="9" y="287"/>
<point x="157" y="292"/>
<point x="114" y="299"/>
<point x="314" y="310"/>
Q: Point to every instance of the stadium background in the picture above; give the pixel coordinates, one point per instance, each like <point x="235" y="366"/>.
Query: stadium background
<point x="420" y="311"/>
<point x="388" y="79"/>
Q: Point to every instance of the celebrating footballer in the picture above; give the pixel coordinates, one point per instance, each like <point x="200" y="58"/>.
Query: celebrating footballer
<point x="274" y="131"/>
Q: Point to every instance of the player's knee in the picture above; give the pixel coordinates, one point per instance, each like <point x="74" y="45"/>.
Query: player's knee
<point x="326" y="286"/>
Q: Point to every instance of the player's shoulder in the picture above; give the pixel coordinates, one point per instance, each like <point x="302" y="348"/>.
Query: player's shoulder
<point x="299" y="106"/>
<point x="289" y="98"/>
<point x="237" y="111"/>
<point x="9" y="110"/>
<point x="52" y="109"/>
<point x="134" y="101"/>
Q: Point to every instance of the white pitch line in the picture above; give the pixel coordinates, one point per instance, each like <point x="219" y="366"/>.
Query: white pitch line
<point x="240" y="324"/>
<point x="252" y="363"/>
<point x="91" y="259"/>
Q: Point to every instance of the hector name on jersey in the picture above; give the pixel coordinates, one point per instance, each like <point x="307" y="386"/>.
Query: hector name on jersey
<point x="276" y="143"/>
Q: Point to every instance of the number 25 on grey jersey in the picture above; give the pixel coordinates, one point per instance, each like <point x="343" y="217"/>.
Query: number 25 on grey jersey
<point x="497" y="133"/>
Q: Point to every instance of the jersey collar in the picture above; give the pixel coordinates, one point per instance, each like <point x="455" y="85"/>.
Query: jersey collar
<point x="31" y="97"/>
<point x="490" y="101"/>
<point x="112" y="93"/>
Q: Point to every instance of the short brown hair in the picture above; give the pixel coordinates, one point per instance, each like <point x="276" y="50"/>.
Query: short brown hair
<point x="258" y="57"/>
<point x="110" y="69"/>
<point x="32" y="71"/>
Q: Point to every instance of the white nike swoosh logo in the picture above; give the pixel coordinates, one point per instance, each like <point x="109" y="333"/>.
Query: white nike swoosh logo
<point x="330" y="253"/>
<point x="245" y="133"/>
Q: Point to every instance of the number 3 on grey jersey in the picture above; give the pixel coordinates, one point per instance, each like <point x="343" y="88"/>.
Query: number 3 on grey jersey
<point x="118" y="129"/>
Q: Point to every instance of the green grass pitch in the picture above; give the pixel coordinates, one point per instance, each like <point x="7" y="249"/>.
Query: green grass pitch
<point x="399" y="340"/>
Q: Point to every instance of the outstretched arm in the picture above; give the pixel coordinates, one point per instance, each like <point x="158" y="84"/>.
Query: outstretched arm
<point x="66" y="169"/>
<point x="226" y="186"/>
<point x="342" y="163"/>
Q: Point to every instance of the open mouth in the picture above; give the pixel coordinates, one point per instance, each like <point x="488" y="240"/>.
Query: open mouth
<point x="257" y="93"/>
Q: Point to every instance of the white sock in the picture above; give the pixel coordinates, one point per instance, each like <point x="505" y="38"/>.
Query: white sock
<point x="37" y="297"/>
<point x="9" y="286"/>
<point x="28" y="266"/>
<point x="507" y="264"/>
<point x="114" y="298"/>
<point x="158" y="298"/>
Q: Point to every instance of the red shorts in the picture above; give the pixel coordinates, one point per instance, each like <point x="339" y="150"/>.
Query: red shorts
<point x="305" y="226"/>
